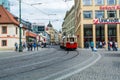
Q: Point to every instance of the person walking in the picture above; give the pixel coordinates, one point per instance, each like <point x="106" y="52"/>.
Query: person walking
<point x="16" y="47"/>
<point x="116" y="46"/>
<point x="34" y="45"/>
<point x="109" y="46"/>
<point x="31" y="46"/>
<point x="37" y="46"/>
<point x="92" y="45"/>
<point x="28" y="46"/>
<point x="113" y="45"/>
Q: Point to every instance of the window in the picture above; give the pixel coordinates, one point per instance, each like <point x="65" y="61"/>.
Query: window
<point x="112" y="14"/>
<point x="16" y="30"/>
<point x="23" y="32"/>
<point x="99" y="2"/>
<point x="87" y="14"/>
<point x="87" y="2"/>
<point x="119" y="1"/>
<point x="71" y="39"/>
<point x="111" y="2"/>
<point x="4" y="42"/>
<point x="99" y="14"/>
<point x="4" y="30"/>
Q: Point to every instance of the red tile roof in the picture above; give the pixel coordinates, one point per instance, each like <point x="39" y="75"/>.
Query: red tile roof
<point x="6" y="17"/>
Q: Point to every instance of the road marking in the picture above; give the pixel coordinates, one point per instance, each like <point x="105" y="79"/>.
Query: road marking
<point x="74" y="72"/>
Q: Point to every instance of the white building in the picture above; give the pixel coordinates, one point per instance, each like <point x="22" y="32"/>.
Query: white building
<point x="9" y="30"/>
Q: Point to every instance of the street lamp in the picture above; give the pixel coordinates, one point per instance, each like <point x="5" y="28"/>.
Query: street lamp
<point x="20" y="27"/>
<point x="36" y="4"/>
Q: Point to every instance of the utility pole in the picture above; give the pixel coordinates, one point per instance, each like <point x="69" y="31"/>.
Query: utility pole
<point x="20" y="27"/>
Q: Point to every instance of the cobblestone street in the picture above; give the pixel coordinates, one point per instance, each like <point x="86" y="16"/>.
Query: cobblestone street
<point x="107" y="68"/>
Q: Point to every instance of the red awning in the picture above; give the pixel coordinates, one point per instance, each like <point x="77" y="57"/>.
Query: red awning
<point x="31" y="34"/>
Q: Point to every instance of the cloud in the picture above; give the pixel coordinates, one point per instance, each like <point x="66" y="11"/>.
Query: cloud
<point x="39" y="13"/>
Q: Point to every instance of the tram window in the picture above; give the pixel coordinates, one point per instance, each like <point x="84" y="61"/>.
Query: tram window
<point x="71" y="39"/>
<point x="67" y="39"/>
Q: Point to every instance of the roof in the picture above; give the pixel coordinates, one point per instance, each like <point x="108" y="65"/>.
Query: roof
<point x="6" y="17"/>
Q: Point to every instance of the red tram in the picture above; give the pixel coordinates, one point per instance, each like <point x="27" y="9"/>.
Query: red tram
<point x="69" y="43"/>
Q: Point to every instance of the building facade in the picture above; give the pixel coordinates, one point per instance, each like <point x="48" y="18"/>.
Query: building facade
<point x="9" y="30"/>
<point x="51" y="32"/>
<point x="68" y="26"/>
<point x="97" y="21"/>
<point x="6" y="4"/>
<point x="39" y="29"/>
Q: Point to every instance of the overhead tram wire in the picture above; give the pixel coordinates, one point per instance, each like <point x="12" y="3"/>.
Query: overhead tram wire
<point x="35" y="8"/>
<point x="65" y="3"/>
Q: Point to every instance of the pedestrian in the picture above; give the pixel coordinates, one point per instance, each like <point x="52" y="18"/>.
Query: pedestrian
<point x="109" y="46"/>
<point x="31" y="46"/>
<point x="34" y="45"/>
<point x="28" y="46"/>
<point x="113" y="45"/>
<point x="16" y="47"/>
<point x="24" y="45"/>
<point x="92" y="45"/>
<point x="37" y="46"/>
<point x="116" y="46"/>
<point x="101" y="45"/>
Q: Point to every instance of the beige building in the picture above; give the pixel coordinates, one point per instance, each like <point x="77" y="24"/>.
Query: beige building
<point x="51" y="32"/>
<point x="97" y="21"/>
<point x="9" y="30"/>
<point x="68" y="26"/>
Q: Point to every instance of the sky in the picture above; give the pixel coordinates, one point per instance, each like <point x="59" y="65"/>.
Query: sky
<point x="48" y="10"/>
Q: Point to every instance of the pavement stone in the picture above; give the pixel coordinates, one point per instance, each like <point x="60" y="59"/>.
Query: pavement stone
<point x="107" y="68"/>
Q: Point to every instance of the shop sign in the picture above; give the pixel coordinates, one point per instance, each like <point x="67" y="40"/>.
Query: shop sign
<point x="106" y="21"/>
<point x="109" y="7"/>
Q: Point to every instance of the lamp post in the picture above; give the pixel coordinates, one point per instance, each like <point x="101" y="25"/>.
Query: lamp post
<point x="20" y="26"/>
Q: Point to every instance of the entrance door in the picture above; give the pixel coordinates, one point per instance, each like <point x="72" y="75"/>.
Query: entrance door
<point x="88" y="36"/>
<point x="112" y="34"/>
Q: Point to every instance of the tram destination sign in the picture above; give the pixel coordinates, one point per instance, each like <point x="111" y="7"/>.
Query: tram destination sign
<point x="106" y="21"/>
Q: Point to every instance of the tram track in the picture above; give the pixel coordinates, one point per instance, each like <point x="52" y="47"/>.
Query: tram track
<point x="67" y="56"/>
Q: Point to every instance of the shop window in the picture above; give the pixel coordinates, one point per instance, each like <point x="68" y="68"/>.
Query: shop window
<point x="87" y="14"/>
<point x="111" y="2"/>
<point x="112" y="14"/>
<point x="4" y="42"/>
<point x="99" y="14"/>
<point x="99" y="2"/>
<point x="4" y="29"/>
<point x="87" y="2"/>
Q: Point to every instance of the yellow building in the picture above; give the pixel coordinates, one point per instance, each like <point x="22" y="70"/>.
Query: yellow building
<point x="97" y="21"/>
<point x="51" y="32"/>
<point x="68" y="26"/>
